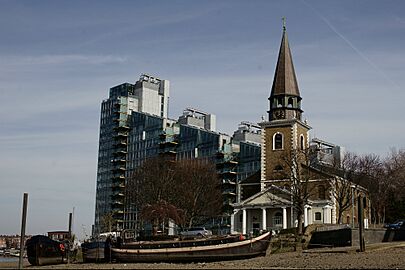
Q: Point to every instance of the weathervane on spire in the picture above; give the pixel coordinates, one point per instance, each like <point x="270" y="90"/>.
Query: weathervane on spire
<point x="283" y="19"/>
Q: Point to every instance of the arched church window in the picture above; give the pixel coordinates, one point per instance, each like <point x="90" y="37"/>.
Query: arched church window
<point x="278" y="141"/>
<point x="321" y="192"/>
<point x="290" y="103"/>
<point x="302" y="142"/>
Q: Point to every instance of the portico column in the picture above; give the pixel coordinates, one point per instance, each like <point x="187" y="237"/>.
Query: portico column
<point x="305" y="215"/>
<point x="327" y="214"/>
<point x="284" y="218"/>
<point x="244" y="221"/>
<point x="232" y="222"/>
<point x="264" y="219"/>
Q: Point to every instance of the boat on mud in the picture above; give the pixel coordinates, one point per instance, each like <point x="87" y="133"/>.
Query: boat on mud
<point x="95" y="251"/>
<point x="41" y="250"/>
<point x="211" y="249"/>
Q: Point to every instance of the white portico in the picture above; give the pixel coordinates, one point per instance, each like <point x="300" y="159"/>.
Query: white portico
<point x="270" y="209"/>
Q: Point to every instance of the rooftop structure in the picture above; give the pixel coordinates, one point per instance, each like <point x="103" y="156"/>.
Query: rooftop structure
<point x="197" y="118"/>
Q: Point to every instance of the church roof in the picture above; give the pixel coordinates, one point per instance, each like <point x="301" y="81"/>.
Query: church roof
<point x="285" y="81"/>
<point x="271" y="196"/>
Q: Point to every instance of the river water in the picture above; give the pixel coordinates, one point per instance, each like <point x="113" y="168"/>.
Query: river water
<point x="8" y="259"/>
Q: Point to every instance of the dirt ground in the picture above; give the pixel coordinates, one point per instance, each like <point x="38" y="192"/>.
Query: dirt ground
<point x="381" y="256"/>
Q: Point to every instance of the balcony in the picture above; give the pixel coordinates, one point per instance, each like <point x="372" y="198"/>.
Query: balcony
<point x="120" y="153"/>
<point x="118" y="212"/>
<point x="121" y="136"/>
<point x="119" y="169"/>
<point x="227" y="171"/>
<point x="118" y="187"/>
<point x="121" y="161"/>
<point x="120" y="176"/>
<point x="168" y="143"/>
<point x="118" y="196"/>
<point x="229" y="192"/>
<point x="121" y="127"/>
<point x="120" y="143"/>
<point x="117" y="205"/>
<point x="228" y="182"/>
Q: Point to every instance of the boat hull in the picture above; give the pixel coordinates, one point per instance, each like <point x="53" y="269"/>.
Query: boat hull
<point x="41" y="250"/>
<point x="94" y="252"/>
<point x="227" y="251"/>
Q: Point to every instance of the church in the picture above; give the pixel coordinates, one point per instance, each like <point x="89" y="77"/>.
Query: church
<point x="293" y="183"/>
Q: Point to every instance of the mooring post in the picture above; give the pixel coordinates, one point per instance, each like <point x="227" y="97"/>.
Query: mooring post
<point x="23" y="224"/>
<point x="361" y="223"/>
<point x="70" y="238"/>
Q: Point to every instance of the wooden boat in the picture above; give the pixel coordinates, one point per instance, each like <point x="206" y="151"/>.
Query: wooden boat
<point x="94" y="251"/>
<point x="198" y="250"/>
<point x="42" y="250"/>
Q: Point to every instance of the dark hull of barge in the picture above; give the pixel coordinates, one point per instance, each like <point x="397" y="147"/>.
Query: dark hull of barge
<point x="231" y="250"/>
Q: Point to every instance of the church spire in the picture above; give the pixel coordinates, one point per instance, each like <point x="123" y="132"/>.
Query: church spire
<point x="285" y="96"/>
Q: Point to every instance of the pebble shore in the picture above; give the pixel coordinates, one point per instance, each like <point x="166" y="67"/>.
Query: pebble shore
<point x="382" y="256"/>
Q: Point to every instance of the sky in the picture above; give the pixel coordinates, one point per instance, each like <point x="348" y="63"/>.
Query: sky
<point x="58" y="60"/>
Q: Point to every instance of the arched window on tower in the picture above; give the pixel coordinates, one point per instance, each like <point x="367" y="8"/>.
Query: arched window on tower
<point x="278" y="141"/>
<point x="321" y="192"/>
<point x="280" y="102"/>
<point x="290" y="102"/>
<point x="302" y="142"/>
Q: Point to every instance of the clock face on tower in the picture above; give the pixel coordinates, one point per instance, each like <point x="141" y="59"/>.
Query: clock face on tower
<point x="278" y="115"/>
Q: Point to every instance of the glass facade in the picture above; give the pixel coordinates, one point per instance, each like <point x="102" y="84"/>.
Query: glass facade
<point x="129" y="135"/>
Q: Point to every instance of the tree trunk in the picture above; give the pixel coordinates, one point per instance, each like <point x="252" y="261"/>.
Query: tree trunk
<point x="300" y="217"/>
<point x="340" y="212"/>
<point x="154" y="227"/>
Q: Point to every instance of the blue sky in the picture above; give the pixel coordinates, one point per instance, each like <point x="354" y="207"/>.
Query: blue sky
<point x="59" y="58"/>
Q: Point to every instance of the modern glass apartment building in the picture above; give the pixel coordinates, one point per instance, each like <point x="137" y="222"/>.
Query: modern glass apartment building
<point x="134" y="126"/>
<point x="120" y="132"/>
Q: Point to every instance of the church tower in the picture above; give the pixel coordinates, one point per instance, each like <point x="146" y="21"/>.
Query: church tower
<point x="284" y="132"/>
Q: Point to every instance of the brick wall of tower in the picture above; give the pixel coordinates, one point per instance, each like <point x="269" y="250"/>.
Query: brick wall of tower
<point x="275" y="157"/>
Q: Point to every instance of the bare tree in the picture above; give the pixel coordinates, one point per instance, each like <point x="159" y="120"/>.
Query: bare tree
<point x="199" y="190"/>
<point x="394" y="169"/>
<point x="108" y="222"/>
<point x="299" y="174"/>
<point x="342" y="190"/>
<point x="160" y="213"/>
<point x="152" y="182"/>
<point x="161" y="187"/>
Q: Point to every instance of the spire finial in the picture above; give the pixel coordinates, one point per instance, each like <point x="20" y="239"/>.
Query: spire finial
<point x="283" y="19"/>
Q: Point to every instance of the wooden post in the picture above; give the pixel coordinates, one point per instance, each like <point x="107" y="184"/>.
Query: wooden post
<point x="361" y="223"/>
<point x="23" y="224"/>
<point x="69" y="238"/>
<point x="70" y="225"/>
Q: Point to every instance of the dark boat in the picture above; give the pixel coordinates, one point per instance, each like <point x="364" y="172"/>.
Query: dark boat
<point x="197" y="250"/>
<point x="94" y="251"/>
<point x="42" y="250"/>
